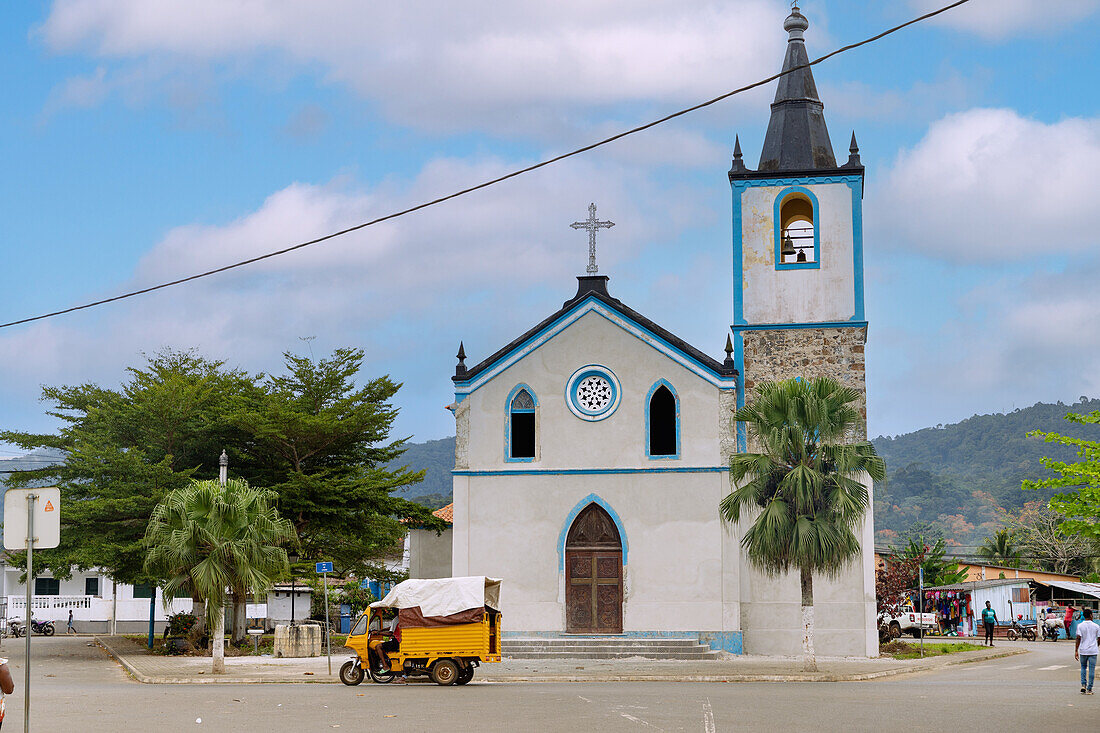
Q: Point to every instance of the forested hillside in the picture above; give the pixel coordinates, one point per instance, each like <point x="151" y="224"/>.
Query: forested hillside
<point x="437" y="457"/>
<point x="958" y="478"/>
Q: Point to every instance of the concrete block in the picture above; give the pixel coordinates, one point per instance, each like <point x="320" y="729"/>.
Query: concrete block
<point x="303" y="640"/>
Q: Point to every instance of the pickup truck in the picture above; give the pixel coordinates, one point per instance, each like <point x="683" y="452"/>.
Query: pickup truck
<point x="908" y="621"/>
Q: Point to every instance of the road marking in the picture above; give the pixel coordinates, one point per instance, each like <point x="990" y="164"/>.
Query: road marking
<point x="637" y="720"/>
<point x="1052" y="667"/>
<point x="1016" y="666"/>
<point x="708" y="717"/>
<point x="584" y="698"/>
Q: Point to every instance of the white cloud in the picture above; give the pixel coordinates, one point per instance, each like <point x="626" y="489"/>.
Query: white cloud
<point x="997" y="19"/>
<point x="1011" y="341"/>
<point x="989" y="185"/>
<point x="443" y="64"/>
<point x="484" y="269"/>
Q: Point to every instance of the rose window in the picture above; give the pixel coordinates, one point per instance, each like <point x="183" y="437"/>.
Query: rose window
<point x="594" y="393"/>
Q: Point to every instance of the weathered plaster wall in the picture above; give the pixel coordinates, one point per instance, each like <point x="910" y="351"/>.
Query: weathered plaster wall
<point x="809" y="352"/>
<point x="798" y="296"/>
<point x="564" y="441"/>
<point x="678" y="558"/>
<point x="430" y="554"/>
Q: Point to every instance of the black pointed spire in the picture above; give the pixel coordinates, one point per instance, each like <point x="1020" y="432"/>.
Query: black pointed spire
<point x="738" y="164"/>
<point x="728" y="363"/>
<point x="797" y="138"/>
<point x="460" y="368"/>
<point x="853" y="154"/>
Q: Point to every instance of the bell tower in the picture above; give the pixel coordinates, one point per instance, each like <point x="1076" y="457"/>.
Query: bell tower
<point x="798" y="244"/>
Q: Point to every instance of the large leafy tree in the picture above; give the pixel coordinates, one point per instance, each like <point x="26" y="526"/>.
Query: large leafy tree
<point x="206" y="538"/>
<point x="1079" y="481"/>
<point x="125" y="450"/>
<point x="803" y="488"/>
<point x="322" y="442"/>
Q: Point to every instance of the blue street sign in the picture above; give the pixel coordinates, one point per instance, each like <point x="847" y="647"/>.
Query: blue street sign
<point x="324" y="567"/>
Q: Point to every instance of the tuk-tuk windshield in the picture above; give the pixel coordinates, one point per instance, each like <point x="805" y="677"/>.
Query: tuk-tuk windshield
<point x="360" y="626"/>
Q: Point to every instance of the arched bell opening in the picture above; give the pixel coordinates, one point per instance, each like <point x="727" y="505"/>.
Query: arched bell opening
<point x="796" y="226"/>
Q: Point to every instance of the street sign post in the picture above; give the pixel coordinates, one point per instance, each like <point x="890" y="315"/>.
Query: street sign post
<point x="39" y="526"/>
<point x="324" y="568"/>
<point x="920" y="612"/>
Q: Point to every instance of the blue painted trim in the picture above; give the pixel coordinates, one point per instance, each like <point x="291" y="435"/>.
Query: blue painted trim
<point x="777" y="219"/>
<point x="727" y="641"/>
<point x="508" y="423"/>
<point x="593" y="370"/>
<point x="648" y="398"/>
<point x="590" y="499"/>
<point x="738" y="259"/>
<point x="857" y="247"/>
<point x="743" y="183"/>
<point x="463" y="389"/>
<point x="589" y="471"/>
<point x="739" y="363"/>
<point x="787" y="326"/>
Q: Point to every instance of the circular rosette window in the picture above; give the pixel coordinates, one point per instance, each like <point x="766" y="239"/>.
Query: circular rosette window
<point x="592" y="392"/>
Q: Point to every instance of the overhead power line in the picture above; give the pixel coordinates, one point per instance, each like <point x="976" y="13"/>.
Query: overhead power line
<point x="491" y="182"/>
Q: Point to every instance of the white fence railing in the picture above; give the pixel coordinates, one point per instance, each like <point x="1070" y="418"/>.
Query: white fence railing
<point x="18" y="604"/>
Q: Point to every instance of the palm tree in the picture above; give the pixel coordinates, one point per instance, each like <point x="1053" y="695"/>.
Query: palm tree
<point x="805" y="482"/>
<point x="208" y="537"/>
<point x="1001" y="548"/>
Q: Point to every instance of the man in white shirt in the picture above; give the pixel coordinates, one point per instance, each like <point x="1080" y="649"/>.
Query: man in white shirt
<point x="1086" y="649"/>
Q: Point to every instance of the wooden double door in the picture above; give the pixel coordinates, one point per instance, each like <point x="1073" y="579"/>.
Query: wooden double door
<point x="593" y="574"/>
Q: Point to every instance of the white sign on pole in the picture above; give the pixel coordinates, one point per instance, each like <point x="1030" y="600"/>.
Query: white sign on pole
<point x="47" y="518"/>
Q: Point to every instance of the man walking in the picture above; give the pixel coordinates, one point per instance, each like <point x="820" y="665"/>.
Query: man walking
<point x="989" y="618"/>
<point x="70" y="629"/>
<point x="1085" y="649"/>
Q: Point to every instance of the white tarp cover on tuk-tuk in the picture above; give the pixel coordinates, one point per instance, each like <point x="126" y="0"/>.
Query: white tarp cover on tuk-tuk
<point x="437" y="601"/>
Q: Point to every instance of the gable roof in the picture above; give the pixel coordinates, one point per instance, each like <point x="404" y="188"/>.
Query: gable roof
<point x="592" y="294"/>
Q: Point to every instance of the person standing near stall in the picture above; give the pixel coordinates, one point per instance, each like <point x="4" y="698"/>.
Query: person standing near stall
<point x="1085" y="650"/>
<point x="1067" y="620"/>
<point x="989" y="619"/>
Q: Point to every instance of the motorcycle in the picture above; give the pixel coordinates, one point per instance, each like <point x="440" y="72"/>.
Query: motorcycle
<point x="42" y="627"/>
<point x="352" y="672"/>
<point x="1019" y="631"/>
<point x="15" y="628"/>
<point x="1050" y="629"/>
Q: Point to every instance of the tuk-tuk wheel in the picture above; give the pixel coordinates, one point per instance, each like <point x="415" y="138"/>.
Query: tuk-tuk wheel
<point x="465" y="675"/>
<point x="351" y="673"/>
<point x="445" y="672"/>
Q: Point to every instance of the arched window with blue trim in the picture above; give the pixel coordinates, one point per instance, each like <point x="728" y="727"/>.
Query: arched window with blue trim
<point x="662" y="422"/>
<point x="522" y="425"/>
<point x="798" y="241"/>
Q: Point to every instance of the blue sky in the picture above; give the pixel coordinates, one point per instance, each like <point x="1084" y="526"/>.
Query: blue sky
<point x="146" y="139"/>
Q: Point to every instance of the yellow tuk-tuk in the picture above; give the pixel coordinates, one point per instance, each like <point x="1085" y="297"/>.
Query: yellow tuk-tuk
<point x="441" y="628"/>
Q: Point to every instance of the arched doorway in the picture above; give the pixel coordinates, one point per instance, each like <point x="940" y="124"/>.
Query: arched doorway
<point x="593" y="574"/>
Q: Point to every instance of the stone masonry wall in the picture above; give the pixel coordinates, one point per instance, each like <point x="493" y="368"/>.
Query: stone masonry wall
<point x="809" y="352"/>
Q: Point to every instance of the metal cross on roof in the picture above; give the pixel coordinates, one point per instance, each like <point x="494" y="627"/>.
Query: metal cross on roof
<point x="592" y="225"/>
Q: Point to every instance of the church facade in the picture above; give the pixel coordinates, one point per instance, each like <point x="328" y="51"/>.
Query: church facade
<point x="592" y="452"/>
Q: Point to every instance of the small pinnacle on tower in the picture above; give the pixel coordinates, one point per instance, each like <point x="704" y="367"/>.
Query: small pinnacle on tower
<point x="853" y="154"/>
<point x="738" y="164"/>
<point x="460" y="368"/>
<point x="729" y="352"/>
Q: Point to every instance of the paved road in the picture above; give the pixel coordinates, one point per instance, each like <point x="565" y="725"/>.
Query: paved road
<point x="78" y="688"/>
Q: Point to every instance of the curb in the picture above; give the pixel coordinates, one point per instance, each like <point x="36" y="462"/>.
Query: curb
<point x="948" y="661"/>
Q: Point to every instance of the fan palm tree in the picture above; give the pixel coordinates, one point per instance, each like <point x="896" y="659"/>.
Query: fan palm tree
<point x="805" y="483"/>
<point x="208" y="537"/>
<point x="1001" y="548"/>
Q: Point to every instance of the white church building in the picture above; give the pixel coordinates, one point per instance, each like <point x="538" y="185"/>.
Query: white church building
<point x="593" y="450"/>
